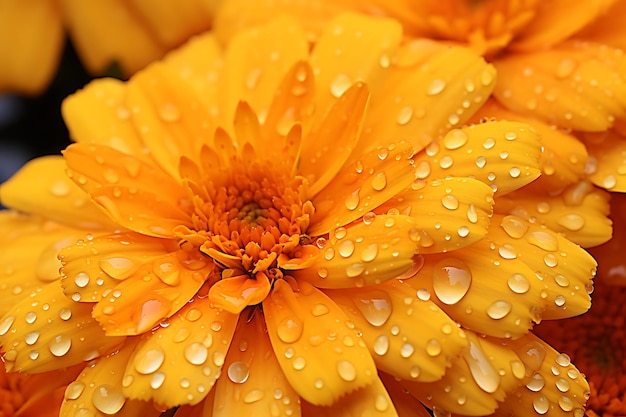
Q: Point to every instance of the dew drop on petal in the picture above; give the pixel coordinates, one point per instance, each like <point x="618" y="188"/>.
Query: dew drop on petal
<point x="346" y="370"/>
<point x="573" y="222"/>
<point x="541" y="404"/>
<point x="74" y="390"/>
<point x="352" y="201"/>
<point x="405" y="115"/>
<point x="157" y="380"/>
<point x="81" y="279"/>
<point x="518" y="283"/>
<point x="346" y="248"/>
<point x="253" y="396"/>
<point x="238" y="372"/>
<point x="379" y="181"/>
<point x="381" y="345"/>
<point x="433" y="347"/>
<point x="451" y="280"/>
<point x="436" y="87"/>
<point x="514" y="227"/>
<point x="375" y="306"/>
<point x="455" y="139"/>
<point x="149" y="361"/>
<point x="60" y="345"/>
<point x="450" y="202"/>
<point x="290" y="330"/>
<point x="481" y="369"/>
<point x="499" y="309"/>
<point x="108" y="399"/>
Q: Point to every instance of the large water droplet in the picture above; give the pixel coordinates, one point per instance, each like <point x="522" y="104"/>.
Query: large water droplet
<point x="436" y="87"/>
<point x="375" y="306"/>
<point x="573" y="222"/>
<point x="74" y="390"/>
<point x="451" y="280"/>
<point x="60" y="345"/>
<point x="346" y="370"/>
<point x="450" y="202"/>
<point x="514" y="227"/>
<point x="196" y="353"/>
<point x="541" y="404"/>
<point x="370" y="252"/>
<point x="118" y="267"/>
<point x="381" y="345"/>
<point x="481" y="369"/>
<point x="290" y="330"/>
<point x="149" y="361"/>
<point x="499" y="309"/>
<point x="81" y="279"/>
<point x="518" y="283"/>
<point x="238" y="372"/>
<point x="352" y="201"/>
<point x="157" y="380"/>
<point x="379" y="181"/>
<point x="108" y="399"/>
<point x="455" y="139"/>
<point x="253" y="396"/>
<point x="167" y="272"/>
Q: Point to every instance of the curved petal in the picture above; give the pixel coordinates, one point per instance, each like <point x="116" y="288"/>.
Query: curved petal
<point x="375" y="250"/>
<point x="578" y="86"/>
<point x="504" y="155"/>
<point x="132" y="192"/>
<point x="179" y="363"/>
<point x="579" y="211"/>
<point x="49" y="331"/>
<point x="449" y="214"/>
<point x="93" y="266"/>
<point x="426" y="95"/>
<point x="372" y="400"/>
<point x="253" y="383"/>
<point x="42" y="187"/>
<point x="607" y="164"/>
<point x="31" y="42"/>
<point x="362" y="186"/>
<point x="608" y="28"/>
<point x="476" y="381"/>
<point x="98" y="390"/>
<point x="156" y="291"/>
<point x="236" y="293"/>
<point x="310" y="334"/>
<point x="29" y="254"/>
<point x="406" y="405"/>
<point x="388" y="314"/>
<point x="557" y="20"/>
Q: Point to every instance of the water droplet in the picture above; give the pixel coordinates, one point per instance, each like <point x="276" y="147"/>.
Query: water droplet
<point x="543" y="240"/>
<point x="563" y="359"/>
<point x="550" y="260"/>
<point x="110" y="175"/>
<point x="375" y="306"/>
<point x="453" y="119"/>
<point x="518" y="283"/>
<point x="238" y="372"/>
<point x="193" y="314"/>
<point x="169" y="113"/>
<point x="298" y="363"/>
<point x="507" y="251"/>
<point x="450" y="202"/>
<point x="30" y="317"/>
<point x="346" y="249"/>
<point x="108" y="399"/>
<point x="81" y="279"/>
<point x="463" y="231"/>
<point x="486" y="77"/>
<point x="127" y="381"/>
<point x="572" y="221"/>
<point x="609" y="182"/>
<point x="319" y="310"/>
<point x="379" y="181"/>
<point x="340" y="84"/>
<point x="290" y="330"/>
<point x="60" y="345"/>
<point x="167" y="272"/>
<point x="541" y="404"/>
<point x="436" y="87"/>
<point x="381" y="403"/>
<point x="433" y="347"/>
<point x="369" y="217"/>
<point x="515" y="172"/>
<point x="370" y="252"/>
<point x="514" y="227"/>
<point x="481" y="161"/>
<point x="31" y="338"/>
<point x="472" y="214"/>
<point x="499" y="309"/>
<point x="352" y="201"/>
<point x="481" y="369"/>
<point x="65" y="314"/>
<point x="381" y="345"/>
<point x="405" y="115"/>
<point x="74" y="390"/>
<point x="566" y="404"/>
<point x="346" y="370"/>
<point x="537" y="383"/>
<point x="60" y="188"/>
<point x="157" y="380"/>
<point x="118" y="267"/>
<point x="451" y="280"/>
<point x="518" y="369"/>
<point x="253" y="396"/>
<point x="149" y="361"/>
<point x="489" y="143"/>
<point x="565" y="68"/>
<point x="196" y="353"/>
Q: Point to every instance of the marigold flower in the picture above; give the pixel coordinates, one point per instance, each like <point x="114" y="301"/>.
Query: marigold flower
<point x="129" y="34"/>
<point x="267" y="228"/>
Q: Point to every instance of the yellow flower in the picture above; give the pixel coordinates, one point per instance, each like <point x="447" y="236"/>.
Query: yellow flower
<point x="273" y="229"/>
<point x="129" y="34"/>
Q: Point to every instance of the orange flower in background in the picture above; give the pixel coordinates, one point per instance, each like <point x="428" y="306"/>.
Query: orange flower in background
<point x="129" y="34"/>
<point x="267" y="227"/>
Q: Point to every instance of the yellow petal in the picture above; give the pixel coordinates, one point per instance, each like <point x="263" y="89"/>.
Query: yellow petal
<point x="315" y="344"/>
<point x="252" y="383"/>
<point x="484" y="373"/>
<point x="325" y="150"/>
<point x="31" y="42"/>
<point x="608" y="161"/>
<point x="236" y="293"/>
<point x="98" y="390"/>
<point x="462" y="284"/>
<point x="137" y="195"/>
<point x="406" y="405"/>
<point x="553" y="385"/>
<point x="155" y="292"/>
<point x="372" y="401"/>
<point x="92" y="27"/>
<point x="575" y="85"/>
<point x="349" y="50"/>
<point x="113" y="127"/>
<point x="29" y="254"/>
<point x="449" y="214"/>
<point x="375" y="250"/>
<point x="257" y="60"/>
<point x="503" y="155"/>
<point x="388" y="314"/>
<point x="607" y="28"/>
<point x="93" y="266"/>
<point x="420" y="101"/>
<point x="47" y="331"/>
<point x="362" y="186"/>
<point x="42" y="187"/>
<point x="579" y="212"/>
<point x="564" y="156"/>
<point x="557" y="20"/>
<point x="564" y="269"/>
<point x="179" y="363"/>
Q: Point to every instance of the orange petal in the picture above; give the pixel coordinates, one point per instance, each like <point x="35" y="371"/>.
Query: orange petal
<point x="310" y="334"/>
<point x="132" y="192"/>
<point x="375" y="250"/>
<point x="449" y="214"/>
<point x="578" y="86"/>
<point x="388" y="314"/>
<point x="31" y="42"/>
<point x="579" y="211"/>
<point x="29" y="254"/>
<point x="153" y="293"/>
<point x="372" y="400"/>
<point x="179" y="363"/>
<point x="361" y="187"/>
<point x="92" y="267"/>
<point x="607" y="164"/>
<point x="406" y="405"/>
<point x="98" y="390"/>
<point x="608" y="28"/>
<point x="47" y="331"/>
<point x="504" y="155"/>
<point x="325" y="150"/>
<point x="42" y="187"/>
<point x="236" y="293"/>
<point x="253" y="383"/>
<point x="429" y="89"/>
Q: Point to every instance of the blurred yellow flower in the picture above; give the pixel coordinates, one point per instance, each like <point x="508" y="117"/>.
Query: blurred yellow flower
<point x="267" y="228"/>
<point x="127" y="33"/>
